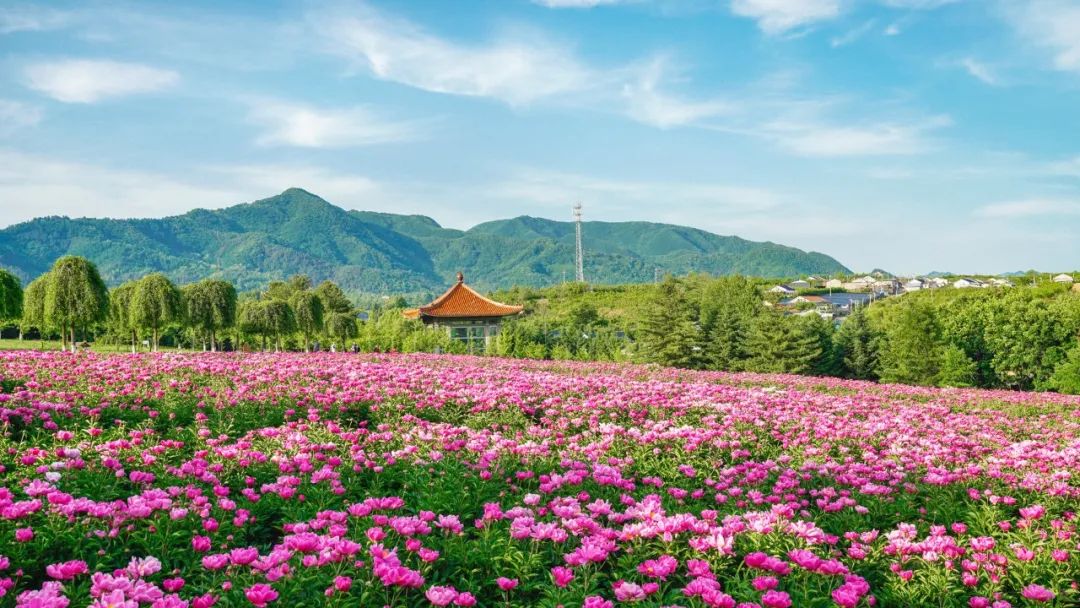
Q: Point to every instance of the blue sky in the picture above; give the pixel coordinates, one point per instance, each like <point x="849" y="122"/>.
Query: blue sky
<point x="911" y="135"/>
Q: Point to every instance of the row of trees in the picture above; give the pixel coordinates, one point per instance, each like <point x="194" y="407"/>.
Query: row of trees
<point x="71" y="300"/>
<point x="1023" y="338"/>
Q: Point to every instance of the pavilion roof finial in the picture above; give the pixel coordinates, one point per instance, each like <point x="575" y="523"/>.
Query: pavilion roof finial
<point x="460" y="277"/>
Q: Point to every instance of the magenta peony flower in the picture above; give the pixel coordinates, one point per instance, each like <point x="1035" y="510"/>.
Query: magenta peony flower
<point x="1037" y="593"/>
<point x="260" y="594"/>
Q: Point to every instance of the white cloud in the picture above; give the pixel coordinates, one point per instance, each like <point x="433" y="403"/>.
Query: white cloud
<point x="918" y="4"/>
<point x="343" y="189"/>
<point x="876" y="139"/>
<point x="33" y="186"/>
<point x="980" y="71"/>
<point x="647" y="104"/>
<point x="15" y="115"/>
<point x="89" y="81"/>
<point x="556" y="189"/>
<point x="519" y="69"/>
<point x="1030" y="208"/>
<point x="291" y="124"/>
<point x="893" y="29"/>
<point x="30" y="18"/>
<point x="1053" y="25"/>
<point x="852" y="35"/>
<point x="781" y="16"/>
<point x="576" y="3"/>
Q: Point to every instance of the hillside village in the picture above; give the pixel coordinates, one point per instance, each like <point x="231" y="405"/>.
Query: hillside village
<point x="836" y="298"/>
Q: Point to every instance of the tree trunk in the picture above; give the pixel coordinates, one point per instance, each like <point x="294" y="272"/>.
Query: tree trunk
<point x="63" y="338"/>
<point x="133" y="339"/>
<point x="73" y="347"/>
<point x="153" y="347"/>
<point x="213" y="342"/>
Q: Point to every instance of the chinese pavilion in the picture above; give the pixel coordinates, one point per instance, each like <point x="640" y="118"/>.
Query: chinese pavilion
<point x="467" y="315"/>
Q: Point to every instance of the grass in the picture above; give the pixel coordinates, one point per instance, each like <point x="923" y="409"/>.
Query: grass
<point x="15" y="344"/>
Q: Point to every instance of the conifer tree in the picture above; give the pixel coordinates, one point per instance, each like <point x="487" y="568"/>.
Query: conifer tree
<point x="856" y="346"/>
<point x="669" y="334"/>
<point x="775" y="345"/>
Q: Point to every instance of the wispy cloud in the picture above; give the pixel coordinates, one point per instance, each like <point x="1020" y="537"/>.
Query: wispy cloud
<point x="876" y="139"/>
<point x="15" y="115"/>
<point x="649" y="104"/>
<point x="578" y="3"/>
<point x="781" y="16"/>
<point x="852" y="35"/>
<point x="1050" y="24"/>
<point x="517" y="70"/>
<point x="30" y="18"/>
<point x="46" y="186"/>
<point x="294" y="124"/>
<point x="89" y="81"/>
<point x="980" y="71"/>
<point x="557" y="188"/>
<point x="1030" y="208"/>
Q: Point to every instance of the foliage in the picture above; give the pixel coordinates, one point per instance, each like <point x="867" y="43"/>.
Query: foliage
<point x="11" y="296"/>
<point x="75" y="296"/>
<point x="856" y="346"/>
<point x="1066" y="378"/>
<point x="912" y="351"/>
<point x="155" y="303"/>
<point x="778" y="345"/>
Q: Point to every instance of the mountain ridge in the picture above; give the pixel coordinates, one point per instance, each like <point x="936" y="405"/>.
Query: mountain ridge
<point x="377" y="252"/>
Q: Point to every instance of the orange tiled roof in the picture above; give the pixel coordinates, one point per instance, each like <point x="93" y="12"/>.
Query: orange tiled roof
<point x="460" y="301"/>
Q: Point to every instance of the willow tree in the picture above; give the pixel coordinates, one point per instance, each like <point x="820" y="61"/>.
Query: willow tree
<point x="75" y="297"/>
<point x="210" y="306"/>
<point x="280" y="320"/>
<point x="341" y="326"/>
<point x="308" y="313"/>
<point x="11" y="298"/>
<point x="119" y="319"/>
<point x="33" y="307"/>
<point x="155" y="303"/>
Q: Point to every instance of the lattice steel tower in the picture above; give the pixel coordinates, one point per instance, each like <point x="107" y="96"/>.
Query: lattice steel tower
<point x="580" y="251"/>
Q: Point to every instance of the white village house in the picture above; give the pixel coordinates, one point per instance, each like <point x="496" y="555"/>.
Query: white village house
<point x="968" y="282"/>
<point x="1063" y="278"/>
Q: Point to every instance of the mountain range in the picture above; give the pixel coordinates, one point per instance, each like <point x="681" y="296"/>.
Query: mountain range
<point x="381" y="253"/>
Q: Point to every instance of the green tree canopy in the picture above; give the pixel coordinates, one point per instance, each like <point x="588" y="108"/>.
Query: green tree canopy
<point x="120" y="317"/>
<point x="34" y="306"/>
<point x="210" y="307"/>
<point x="333" y="299"/>
<point x="912" y="351"/>
<point x="308" y="315"/>
<point x="155" y="303"/>
<point x="856" y="345"/>
<point x="776" y="345"/>
<point x="668" y="333"/>
<point x="729" y="306"/>
<point x="75" y="296"/>
<point x="11" y="296"/>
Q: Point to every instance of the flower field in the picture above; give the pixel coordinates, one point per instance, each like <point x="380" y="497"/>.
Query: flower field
<point x="389" y="480"/>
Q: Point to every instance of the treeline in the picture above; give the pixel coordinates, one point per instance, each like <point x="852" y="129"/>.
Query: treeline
<point x="72" y="303"/>
<point x="1025" y="338"/>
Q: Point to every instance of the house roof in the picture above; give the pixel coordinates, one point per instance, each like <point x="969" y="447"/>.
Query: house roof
<point x="460" y="301"/>
<point x="1063" y="278"/>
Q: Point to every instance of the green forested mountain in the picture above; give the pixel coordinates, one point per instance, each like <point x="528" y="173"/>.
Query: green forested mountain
<point x="367" y="252"/>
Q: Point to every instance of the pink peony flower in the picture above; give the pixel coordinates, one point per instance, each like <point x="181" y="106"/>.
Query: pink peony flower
<point x="260" y="594"/>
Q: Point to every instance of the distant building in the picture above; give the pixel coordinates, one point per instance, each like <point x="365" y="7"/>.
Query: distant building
<point x="800" y="284"/>
<point x="1063" y="278"/>
<point x="782" y="289"/>
<point x="834" y="284"/>
<point x="915" y="285"/>
<point x="937" y="282"/>
<point x="998" y="282"/>
<point x="466" y="315"/>
<point x="967" y="283"/>
<point x="833" y="304"/>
